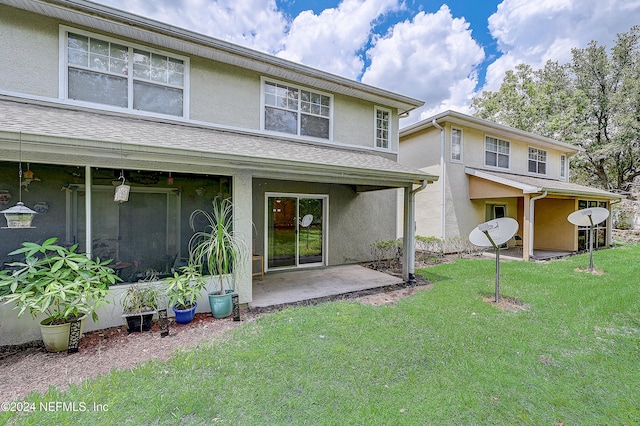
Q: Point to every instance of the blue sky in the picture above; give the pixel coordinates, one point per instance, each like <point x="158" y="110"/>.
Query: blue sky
<point x="442" y="52"/>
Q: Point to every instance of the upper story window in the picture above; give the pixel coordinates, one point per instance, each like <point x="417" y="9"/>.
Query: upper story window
<point x="563" y="166"/>
<point x="537" y="161"/>
<point x="496" y="152"/>
<point x="456" y="145"/>
<point x="297" y="111"/>
<point x="101" y="70"/>
<point x="383" y="128"/>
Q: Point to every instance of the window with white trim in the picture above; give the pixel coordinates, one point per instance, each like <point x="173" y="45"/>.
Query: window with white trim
<point x="563" y="166"/>
<point x="295" y="110"/>
<point x="537" y="161"/>
<point x="105" y="71"/>
<point x="456" y="144"/>
<point x="383" y="128"/>
<point x="496" y="152"/>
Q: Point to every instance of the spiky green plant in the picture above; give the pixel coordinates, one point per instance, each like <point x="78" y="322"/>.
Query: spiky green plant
<point x="217" y="247"/>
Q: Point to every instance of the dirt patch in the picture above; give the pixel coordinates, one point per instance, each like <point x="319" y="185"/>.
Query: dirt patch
<point x="30" y="368"/>
<point x="507" y="303"/>
<point x="594" y="272"/>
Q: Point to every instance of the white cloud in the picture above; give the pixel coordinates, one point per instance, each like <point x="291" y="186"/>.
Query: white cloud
<point x="432" y="57"/>
<point x="332" y="39"/>
<point x="257" y="24"/>
<point x="534" y="32"/>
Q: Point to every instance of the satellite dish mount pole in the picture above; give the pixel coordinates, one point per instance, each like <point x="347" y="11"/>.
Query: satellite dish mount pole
<point x="591" y="244"/>
<point x="486" y="232"/>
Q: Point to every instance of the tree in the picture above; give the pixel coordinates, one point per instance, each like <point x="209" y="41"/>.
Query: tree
<point x="593" y="102"/>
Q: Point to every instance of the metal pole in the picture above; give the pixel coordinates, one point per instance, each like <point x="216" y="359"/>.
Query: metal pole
<point x="497" y="273"/>
<point x="591" y="245"/>
<point x="497" y="297"/>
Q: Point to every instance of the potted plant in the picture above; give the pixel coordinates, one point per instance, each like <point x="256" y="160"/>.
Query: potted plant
<point x="139" y="304"/>
<point x="60" y="283"/>
<point x="183" y="290"/>
<point x="218" y="248"/>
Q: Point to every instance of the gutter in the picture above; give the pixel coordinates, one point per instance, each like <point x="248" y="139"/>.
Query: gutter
<point x="443" y="178"/>
<point x="531" y="220"/>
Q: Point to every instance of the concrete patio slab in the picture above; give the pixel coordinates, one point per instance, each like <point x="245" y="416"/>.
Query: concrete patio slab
<point x="279" y="288"/>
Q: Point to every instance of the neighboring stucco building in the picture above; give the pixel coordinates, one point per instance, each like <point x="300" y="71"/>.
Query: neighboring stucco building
<point x="89" y="93"/>
<point x="487" y="171"/>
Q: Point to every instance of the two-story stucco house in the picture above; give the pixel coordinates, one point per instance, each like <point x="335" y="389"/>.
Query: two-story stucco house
<point x="488" y="171"/>
<point x="90" y="95"/>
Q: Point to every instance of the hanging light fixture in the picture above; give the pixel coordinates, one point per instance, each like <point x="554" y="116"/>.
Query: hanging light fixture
<point x="19" y="216"/>
<point x="122" y="190"/>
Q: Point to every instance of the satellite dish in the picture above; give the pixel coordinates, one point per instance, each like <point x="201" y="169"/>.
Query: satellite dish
<point x="588" y="217"/>
<point x="306" y="220"/>
<point x="499" y="230"/>
<point x="494" y="233"/>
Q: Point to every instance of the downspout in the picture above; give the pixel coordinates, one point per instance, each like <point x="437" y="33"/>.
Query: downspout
<point x="87" y="212"/>
<point x="532" y="220"/>
<point x="610" y="222"/>
<point x="442" y="178"/>
<point x="409" y="240"/>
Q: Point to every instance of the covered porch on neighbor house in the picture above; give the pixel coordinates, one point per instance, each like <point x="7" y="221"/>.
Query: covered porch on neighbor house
<point x="300" y="286"/>
<point x="541" y="207"/>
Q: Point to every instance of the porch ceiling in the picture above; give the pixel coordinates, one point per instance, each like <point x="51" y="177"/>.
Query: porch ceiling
<point x="534" y="185"/>
<point x="61" y="134"/>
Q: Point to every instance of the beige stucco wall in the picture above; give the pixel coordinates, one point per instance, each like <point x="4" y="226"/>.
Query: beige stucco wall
<point x="473" y="153"/>
<point x="220" y="93"/>
<point x="552" y="230"/>
<point x="355" y="219"/>
<point x="29" y="59"/>
<point x="422" y="151"/>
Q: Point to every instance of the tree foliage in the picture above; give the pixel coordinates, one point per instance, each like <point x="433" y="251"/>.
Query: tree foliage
<point x="592" y="102"/>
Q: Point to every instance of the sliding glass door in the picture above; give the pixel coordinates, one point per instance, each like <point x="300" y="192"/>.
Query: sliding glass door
<point x="295" y="230"/>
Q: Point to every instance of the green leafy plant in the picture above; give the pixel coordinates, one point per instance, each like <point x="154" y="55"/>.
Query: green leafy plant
<point x="217" y="247"/>
<point x="139" y="298"/>
<point x="185" y="287"/>
<point x="56" y="281"/>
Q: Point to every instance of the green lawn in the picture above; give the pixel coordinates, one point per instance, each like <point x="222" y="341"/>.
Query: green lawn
<point x="441" y="357"/>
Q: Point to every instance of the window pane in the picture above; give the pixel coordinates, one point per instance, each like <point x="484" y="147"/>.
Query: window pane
<point x="78" y="57"/>
<point x="503" y="161"/>
<point x="490" y="159"/>
<point x="141" y="64"/>
<point x="99" y="62"/>
<point x="532" y="166"/>
<point x="156" y="98"/>
<point x="314" y="126"/>
<point x="97" y="87"/>
<point x="280" y="120"/>
<point x="542" y="168"/>
<point x="99" y="47"/>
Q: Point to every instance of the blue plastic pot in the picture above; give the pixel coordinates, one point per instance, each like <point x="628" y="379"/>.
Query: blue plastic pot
<point x="185" y="316"/>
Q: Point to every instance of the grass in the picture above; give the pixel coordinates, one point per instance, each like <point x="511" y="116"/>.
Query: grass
<point x="440" y="357"/>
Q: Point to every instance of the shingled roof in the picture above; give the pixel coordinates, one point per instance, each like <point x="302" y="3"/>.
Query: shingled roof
<point x="96" y="137"/>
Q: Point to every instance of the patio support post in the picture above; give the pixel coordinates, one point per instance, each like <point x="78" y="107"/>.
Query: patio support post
<point x="532" y="208"/>
<point x="87" y="212"/>
<point x="242" y="188"/>
<point x="409" y="237"/>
